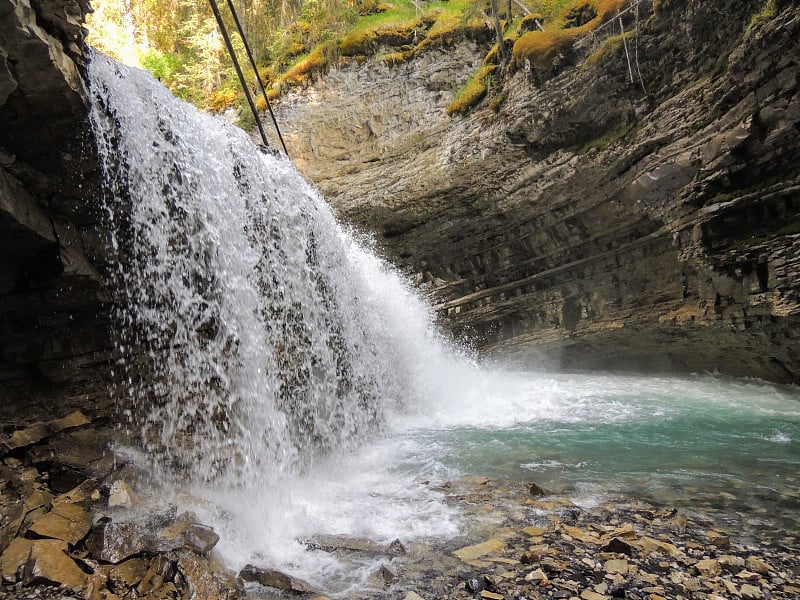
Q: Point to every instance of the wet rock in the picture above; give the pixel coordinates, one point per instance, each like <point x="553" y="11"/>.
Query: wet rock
<point x="128" y="574"/>
<point x="25" y="437"/>
<point x="186" y="534"/>
<point x="48" y="563"/>
<point x="383" y="576"/>
<point x="475" y="584"/>
<point x="115" y="542"/>
<point x="160" y="571"/>
<point x="121" y="495"/>
<point x="22" y="438"/>
<point x="536" y="491"/>
<point x="205" y="579"/>
<point x="275" y="579"/>
<point x="336" y="543"/>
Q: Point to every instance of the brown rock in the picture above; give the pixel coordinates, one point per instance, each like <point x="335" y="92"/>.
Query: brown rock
<point x="491" y="595"/>
<point x="49" y="564"/>
<point x="592" y="595"/>
<point x="488" y="547"/>
<point x="25" y="437"/>
<point x="618" y="546"/>
<point x="616" y="566"/>
<point x="205" y="580"/>
<point x="193" y="536"/>
<point x="71" y="421"/>
<point x="14" y="558"/>
<point x="275" y="579"/>
<point x="750" y="591"/>
<point x="67" y="522"/>
<point x="115" y="542"/>
<point x="128" y="574"/>
<point x="757" y="565"/>
<point x="120" y="494"/>
<point x="708" y="568"/>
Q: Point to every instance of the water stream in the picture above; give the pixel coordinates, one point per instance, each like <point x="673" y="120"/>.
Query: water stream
<point x="286" y="382"/>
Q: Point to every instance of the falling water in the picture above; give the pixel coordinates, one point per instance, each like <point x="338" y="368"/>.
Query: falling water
<point x="265" y="346"/>
<point x="269" y="337"/>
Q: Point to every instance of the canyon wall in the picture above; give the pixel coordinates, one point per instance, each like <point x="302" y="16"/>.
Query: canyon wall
<point x="637" y="210"/>
<point x="55" y="348"/>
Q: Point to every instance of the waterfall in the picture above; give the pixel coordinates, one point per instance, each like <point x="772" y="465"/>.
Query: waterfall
<point x="259" y="336"/>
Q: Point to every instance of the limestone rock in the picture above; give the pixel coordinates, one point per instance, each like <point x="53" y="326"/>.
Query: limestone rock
<point x="120" y="494"/>
<point x="67" y="522"/>
<point x="48" y="563"/>
<point x="757" y="565"/>
<point x="708" y="568"/>
<point x="344" y="543"/>
<point x="488" y="547"/>
<point x="586" y="228"/>
<point x="187" y="534"/>
<point x="14" y="558"/>
<point x="115" y="542"/>
<point x="616" y="566"/>
<point x="275" y="579"/>
<point x="204" y="579"/>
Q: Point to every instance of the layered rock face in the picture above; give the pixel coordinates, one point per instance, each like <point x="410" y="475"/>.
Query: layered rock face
<point x="616" y="212"/>
<point x="54" y="341"/>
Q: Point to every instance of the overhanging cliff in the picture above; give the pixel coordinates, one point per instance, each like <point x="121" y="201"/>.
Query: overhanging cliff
<point x="598" y="218"/>
<point x="55" y="347"/>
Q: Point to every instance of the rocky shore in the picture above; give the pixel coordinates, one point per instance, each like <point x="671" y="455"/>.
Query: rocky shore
<point x="74" y="527"/>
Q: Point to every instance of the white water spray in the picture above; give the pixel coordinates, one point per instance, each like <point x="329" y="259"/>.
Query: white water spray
<point x="272" y="339"/>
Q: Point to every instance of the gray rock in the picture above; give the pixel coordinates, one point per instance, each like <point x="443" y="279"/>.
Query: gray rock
<point x="275" y="579"/>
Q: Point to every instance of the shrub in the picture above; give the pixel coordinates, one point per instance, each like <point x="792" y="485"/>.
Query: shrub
<point x="541" y="47"/>
<point x="472" y="93"/>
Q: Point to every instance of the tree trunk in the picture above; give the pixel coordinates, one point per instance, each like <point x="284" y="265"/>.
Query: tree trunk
<point x="499" y="31"/>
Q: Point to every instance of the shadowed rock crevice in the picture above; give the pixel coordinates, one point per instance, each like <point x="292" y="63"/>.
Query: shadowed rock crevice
<point x="54" y="337"/>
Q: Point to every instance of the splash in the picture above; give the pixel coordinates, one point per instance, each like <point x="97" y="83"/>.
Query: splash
<point x="267" y="336"/>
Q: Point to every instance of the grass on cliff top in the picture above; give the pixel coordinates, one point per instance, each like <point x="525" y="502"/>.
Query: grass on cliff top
<point x="402" y="29"/>
<point x="562" y="28"/>
<point x="400" y="25"/>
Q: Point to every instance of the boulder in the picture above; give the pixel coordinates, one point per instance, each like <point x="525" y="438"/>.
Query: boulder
<point x="49" y="564"/>
<point x="275" y="579"/>
<point x="67" y="522"/>
<point x="14" y="558"/>
<point x="115" y="542"/>
<point x="204" y="579"/>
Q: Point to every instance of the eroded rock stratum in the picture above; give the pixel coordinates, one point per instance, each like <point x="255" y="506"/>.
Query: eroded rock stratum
<point x="592" y="220"/>
<point x="54" y="342"/>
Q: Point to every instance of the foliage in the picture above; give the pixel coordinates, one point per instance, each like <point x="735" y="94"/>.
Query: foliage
<point x="177" y="40"/>
<point x="608" y="48"/>
<point x="563" y="27"/>
<point x="768" y="11"/>
<point x="472" y="93"/>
